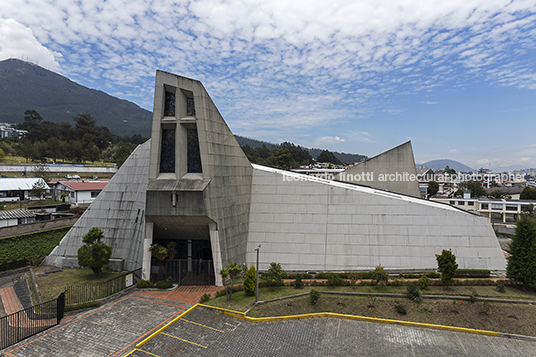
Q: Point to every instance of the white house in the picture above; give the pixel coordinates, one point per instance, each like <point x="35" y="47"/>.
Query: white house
<point x="15" y="189"/>
<point x="79" y="192"/>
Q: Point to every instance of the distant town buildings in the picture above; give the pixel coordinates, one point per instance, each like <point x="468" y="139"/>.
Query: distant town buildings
<point x="7" y="131"/>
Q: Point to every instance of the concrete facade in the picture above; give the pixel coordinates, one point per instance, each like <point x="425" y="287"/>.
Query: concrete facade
<point x="389" y="171"/>
<point x="319" y="225"/>
<point x="191" y="183"/>
<point x="119" y="211"/>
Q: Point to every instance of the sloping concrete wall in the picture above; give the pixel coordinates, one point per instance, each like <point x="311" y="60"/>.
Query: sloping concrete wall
<point x="319" y="225"/>
<point x="119" y="211"/>
<point x="389" y="171"/>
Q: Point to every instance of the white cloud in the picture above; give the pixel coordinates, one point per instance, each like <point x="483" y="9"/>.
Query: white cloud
<point x="18" y="41"/>
<point x="429" y="102"/>
<point x="330" y="140"/>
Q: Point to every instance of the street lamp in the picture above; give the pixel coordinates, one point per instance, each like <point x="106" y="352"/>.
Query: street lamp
<point x="257" y="280"/>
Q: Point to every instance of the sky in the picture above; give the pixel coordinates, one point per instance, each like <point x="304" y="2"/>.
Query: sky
<point x="456" y="77"/>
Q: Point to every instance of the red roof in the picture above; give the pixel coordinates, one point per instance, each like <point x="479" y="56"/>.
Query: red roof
<point x="85" y="185"/>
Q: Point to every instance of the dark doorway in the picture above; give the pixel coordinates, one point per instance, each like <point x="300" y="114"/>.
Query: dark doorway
<point x="191" y="265"/>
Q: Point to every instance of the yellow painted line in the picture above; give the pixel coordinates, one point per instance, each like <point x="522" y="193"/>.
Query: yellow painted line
<point x="241" y="315"/>
<point x="137" y="349"/>
<point x="165" y="326"/>
<point x="182" y="339"/>
<point x="195" y="323"/>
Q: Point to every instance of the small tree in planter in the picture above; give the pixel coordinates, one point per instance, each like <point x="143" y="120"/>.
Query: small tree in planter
<point x="94" y="254"/>
<point x="446" y="262"/>
<point x="159" y="252"/>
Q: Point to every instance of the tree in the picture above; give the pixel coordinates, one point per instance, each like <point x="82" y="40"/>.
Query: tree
<point x="250" y="281"/>
<point x="41" y="171"/>
<point x="448" y="170"/>
<point x="522" y="249"/>
<point x="224" y="275"/>
<point x="433" y="187"/>
<point x="38" y="189"/>
<point x="172" y="249"/>
<point x="528" y="194"/>
<point x="474" y="187"/>
<point x="446" y="262"/>
<point x="234" y="271"/>
<point x="94" y="254"/>
<point x="380" y="275"/>
<point x="498" y="194"/>
<point x="274" y="275"/>
<point x="283" y="159"/>
<point x="328" y="156"/>
<point x="159" y="252"/>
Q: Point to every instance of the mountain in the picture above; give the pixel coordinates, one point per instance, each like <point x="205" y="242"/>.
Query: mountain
<point x="26" y="86"/>
<point x="441" y="164"/>
<point x="344" y="157"/>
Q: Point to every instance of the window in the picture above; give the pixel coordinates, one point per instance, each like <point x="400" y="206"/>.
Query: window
<point x="190" y="107"/>
<point x="496" y="206"/>
<point x="94" y="194"/>
<point x="452" y="203"/>
<point x="194" y="156"/>
<point x="461" y="203"/>
<point x="167" y="151"/>
<point x="169" y="104"/>
<point x="470" y="203"/>
<point x="485" y="206"/>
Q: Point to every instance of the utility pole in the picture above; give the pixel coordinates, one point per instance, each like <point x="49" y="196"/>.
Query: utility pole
<point x="257" y="280"/>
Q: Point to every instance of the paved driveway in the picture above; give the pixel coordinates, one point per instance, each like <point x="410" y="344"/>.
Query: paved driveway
<point x="204" y="332"/>
<point x="115" y="329"/>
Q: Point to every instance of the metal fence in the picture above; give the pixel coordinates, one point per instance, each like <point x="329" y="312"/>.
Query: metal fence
<point x="184" y="271"/>
<point x="25" y="323"/>
<point x="77" y="294"/>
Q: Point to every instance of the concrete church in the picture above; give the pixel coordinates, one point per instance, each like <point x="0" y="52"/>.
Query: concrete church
<point x="191" y="184"/>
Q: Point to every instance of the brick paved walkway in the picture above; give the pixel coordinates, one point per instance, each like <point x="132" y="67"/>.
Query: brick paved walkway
<point x="9" y="300"/>
<point x="106" y="331"/>
<point x="183" y="294"/>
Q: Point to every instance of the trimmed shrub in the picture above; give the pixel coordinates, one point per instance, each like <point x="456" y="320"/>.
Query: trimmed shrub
<point x="144" y="284"/>
<point x="298" y="283"/>
<point x="204" y="298"/>
<point x="164" y="284"/>
<point x="297" y="275"/>
<point x="334" y="280"/>
<point x="314" y="295"/>
<point x="380" y="275"/>
<point x="446" y="262"/>
<point x="472" y="273"/>
<point x="500" y="286"/>
<point x="84" y="305"/>
<point x="433" y="275"/>
<point x="400" y="309"/>
<point x="250" y="281"/>
<point x="424" y="282"/>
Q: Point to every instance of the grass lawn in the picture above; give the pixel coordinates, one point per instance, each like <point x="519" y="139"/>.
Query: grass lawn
<point x="52" y="285"/>
<point x="499" y="317"/>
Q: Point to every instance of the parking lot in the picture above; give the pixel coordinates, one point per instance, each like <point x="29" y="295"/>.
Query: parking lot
<point x="205" y="332"/>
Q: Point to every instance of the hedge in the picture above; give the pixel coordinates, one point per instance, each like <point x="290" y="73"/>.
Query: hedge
<point x="472" y="273"/>
<point x="29" y="249"/>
